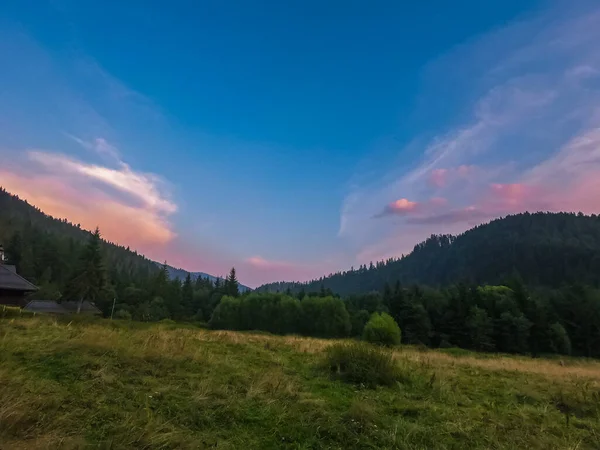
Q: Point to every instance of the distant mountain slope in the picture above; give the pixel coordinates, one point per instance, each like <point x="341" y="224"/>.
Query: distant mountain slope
<point x="58" y="241"/>
<point x="545" y="249"/>
<point x="181" y="274"/>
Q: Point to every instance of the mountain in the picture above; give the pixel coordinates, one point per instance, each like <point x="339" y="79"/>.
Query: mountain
<point x="45" y="242"/>
<point x="182" y="274"/>
<point x="544" y="249"/>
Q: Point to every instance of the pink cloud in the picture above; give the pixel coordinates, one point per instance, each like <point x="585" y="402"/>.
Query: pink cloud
<point x="399" y="207"/>
<point x="403" y="205"/>
<point x="441" y="178"/>
<point x="471" y="215"/>
<point x="465" y="170"/>
<point x="130" y="208"/>
<point x="119" y="222"/>
<point x="437" y="178"/>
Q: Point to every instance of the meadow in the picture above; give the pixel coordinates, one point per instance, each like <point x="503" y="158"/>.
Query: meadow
<point x="74" y="384"/>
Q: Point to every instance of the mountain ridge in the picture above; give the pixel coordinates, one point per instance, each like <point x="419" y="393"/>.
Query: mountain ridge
<point x="16" y="212"/>
<point x="181" y="274"/>
<point x="545" y="249"/>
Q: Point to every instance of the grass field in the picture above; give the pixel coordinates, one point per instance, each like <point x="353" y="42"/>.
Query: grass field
<point x="113" y="385"/>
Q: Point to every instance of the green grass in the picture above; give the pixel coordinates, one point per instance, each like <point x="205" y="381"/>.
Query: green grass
<point x="112" y="385"/>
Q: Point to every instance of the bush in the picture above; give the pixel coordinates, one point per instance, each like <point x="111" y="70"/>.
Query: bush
<point x="382" y="329"/>
<point x="273" y="313"/>
<point x="123" y="314"/>
<point x="362" y="363"/>
<point x="559" y="339"/>
<point x="324" y="317"/>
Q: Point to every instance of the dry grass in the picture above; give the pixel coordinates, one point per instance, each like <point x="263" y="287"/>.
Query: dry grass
<point x="127" y="385"/>
<point x="568" y="368"/>
<point x="551" y="369"/>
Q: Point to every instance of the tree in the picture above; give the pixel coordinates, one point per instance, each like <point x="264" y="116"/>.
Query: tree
<point x="187" y="297"/>
<point x="559" y="339"/>
<point x="232" y="287"/>
<point x="481" y="329"/>
<point x="325" y="317"/>
<point x="89" y="281"/>
<point x="382" y="329"/>
<point x="227" y="315"/>
<point x="512" y="333"/>
<point x="358" y="319"/>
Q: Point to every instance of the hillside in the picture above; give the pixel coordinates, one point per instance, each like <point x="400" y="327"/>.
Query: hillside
<point x="49" y="252"/>
<point x="181" y="274"/>
<point x="45" y="242"/>
<point x="544" y="249"/>
<point x="122" y="385"/>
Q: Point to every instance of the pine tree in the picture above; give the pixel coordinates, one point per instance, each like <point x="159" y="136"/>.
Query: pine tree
<point x="187" y="296"/>
<point x="89" y="282"/>
<point x="232" y="287"/>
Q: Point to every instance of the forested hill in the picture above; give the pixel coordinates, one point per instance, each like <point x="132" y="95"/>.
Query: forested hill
<point x="544" y="249"/>
<point x="45" y="249"/>
<point x="70" y="264"/>
<point x="181" y="274"/>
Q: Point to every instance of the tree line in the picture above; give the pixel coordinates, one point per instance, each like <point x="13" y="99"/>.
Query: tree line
<point x="506" y="318"/>
<point x="545" y="249"/>
<point x="513" y="315"/>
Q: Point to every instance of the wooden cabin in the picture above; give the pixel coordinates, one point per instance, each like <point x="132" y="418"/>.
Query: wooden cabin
<point x="14" y="289"/>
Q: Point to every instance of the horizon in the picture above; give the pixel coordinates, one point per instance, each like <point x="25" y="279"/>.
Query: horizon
<point x="291" y="141"/>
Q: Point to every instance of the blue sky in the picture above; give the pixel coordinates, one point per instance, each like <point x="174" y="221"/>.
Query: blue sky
<point x="292" y="139"/>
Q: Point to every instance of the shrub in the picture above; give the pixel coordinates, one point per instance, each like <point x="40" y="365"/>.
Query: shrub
<point x="559" y="339"/>
<point x="324" y="317"/>
<point x="226" y="315"/>
<point x="123" y="314"/>
<point x="362" y="363"/>
<point x="382" y="329"/>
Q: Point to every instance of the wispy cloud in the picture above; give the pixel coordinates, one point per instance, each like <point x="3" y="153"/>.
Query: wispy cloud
<point x="531" y="141"/>
<point x="131" y="208"/>
<point x="99" y="146"/>
<point x="140" y="187"/>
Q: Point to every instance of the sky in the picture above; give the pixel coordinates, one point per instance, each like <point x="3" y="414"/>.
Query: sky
<point x="295" y="139"/>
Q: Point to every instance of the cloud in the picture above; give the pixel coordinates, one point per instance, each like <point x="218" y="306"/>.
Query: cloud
<point x="399" y="207"/>
<point x="143" y="188"/>
<point x="523" y="136"/>
<point x="441" y="178"/>
<point x="99" y="146"/>
<point x="437" y="178"/>
<point x="131" y="208"/>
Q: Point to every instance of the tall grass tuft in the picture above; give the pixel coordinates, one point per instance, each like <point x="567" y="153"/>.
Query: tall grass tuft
<point x="362" y="363"/>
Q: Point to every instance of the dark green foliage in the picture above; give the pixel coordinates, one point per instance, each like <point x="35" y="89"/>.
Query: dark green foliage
<point x="559" y="339"/>
<point x="324" y="317"/>
<point x="382" y="329"/>
<point x="227" y="315"/>
<point x="89" y="280"/>
<point x="275" y="313"/>
<point x="281" y="314"/>
<point x="362" y="364"/>
<point x="480" y="330"/>
<point x="358" y="320"/>
<point x="232" y="287"/>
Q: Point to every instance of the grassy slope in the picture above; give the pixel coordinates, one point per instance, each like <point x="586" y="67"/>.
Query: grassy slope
<point x="118" y="385"/>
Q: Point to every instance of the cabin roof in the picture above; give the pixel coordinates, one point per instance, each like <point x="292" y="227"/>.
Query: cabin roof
<point x="11" y="280"/>
<point x="52" y="307"/>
